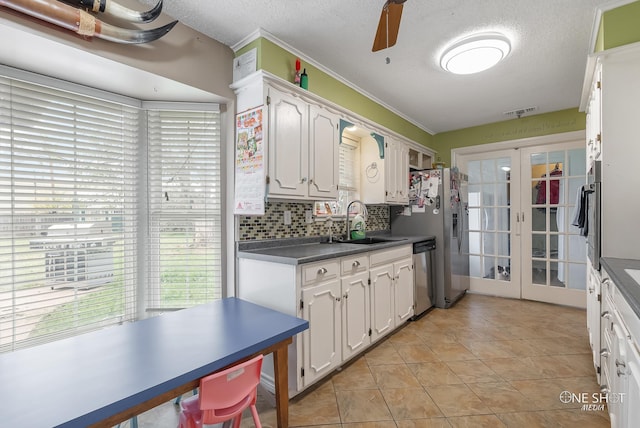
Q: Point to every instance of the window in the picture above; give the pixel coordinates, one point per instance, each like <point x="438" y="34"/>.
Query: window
<point x="349" y="183"/>
<point x="185" y="208"/>
<point x="77" y="229"/>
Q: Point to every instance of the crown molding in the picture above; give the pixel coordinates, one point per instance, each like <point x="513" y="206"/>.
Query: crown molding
<point x="273" y="39"/>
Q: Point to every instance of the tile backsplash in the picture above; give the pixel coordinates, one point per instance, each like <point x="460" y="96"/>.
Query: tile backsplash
<point x="271" y="224"/>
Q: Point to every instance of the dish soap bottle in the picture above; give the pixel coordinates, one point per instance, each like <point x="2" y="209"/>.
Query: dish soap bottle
<point x="358" y="227"/>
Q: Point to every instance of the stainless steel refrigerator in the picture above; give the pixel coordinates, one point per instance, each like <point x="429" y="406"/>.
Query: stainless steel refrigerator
<point x="439" y="207"/>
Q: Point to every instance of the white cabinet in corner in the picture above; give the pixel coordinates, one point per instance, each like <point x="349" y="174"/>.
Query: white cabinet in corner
<point x="392" y="185"/>
<point x="301" y="139"/>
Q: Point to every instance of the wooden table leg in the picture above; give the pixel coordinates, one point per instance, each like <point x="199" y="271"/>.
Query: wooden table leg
<point x="281" y="374"/>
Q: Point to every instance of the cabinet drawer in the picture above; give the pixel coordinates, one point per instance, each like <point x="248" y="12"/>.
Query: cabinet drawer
<point x="321" y="271"/>
<point x="355" y="264"/>
<point x="393" y="254"/>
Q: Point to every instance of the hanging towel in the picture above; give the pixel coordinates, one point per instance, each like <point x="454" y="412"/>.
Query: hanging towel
<point x="581" y="216"/>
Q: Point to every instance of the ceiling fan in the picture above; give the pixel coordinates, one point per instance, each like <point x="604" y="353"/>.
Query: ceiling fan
<point x="387" y="32"/>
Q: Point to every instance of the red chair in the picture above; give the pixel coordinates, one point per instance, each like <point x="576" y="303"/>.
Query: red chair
<point x="223" y="396"/>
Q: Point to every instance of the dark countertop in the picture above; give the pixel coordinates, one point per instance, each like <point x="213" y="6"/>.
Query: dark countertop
<point x="297" y="251"/>
<point x="628" y="287"/>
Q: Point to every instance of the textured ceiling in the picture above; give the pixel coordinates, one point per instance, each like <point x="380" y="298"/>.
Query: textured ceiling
<point x="550" y="42"/>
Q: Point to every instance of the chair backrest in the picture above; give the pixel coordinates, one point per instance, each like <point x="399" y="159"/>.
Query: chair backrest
<point x="226" y="393"/>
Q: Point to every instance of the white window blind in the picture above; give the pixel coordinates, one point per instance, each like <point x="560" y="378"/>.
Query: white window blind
<point x="349" y="184"/>
<point x="67" y="213"/>
<point x="185" y="208"/>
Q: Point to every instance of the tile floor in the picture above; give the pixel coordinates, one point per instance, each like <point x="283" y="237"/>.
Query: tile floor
<point x="486" y="362"/>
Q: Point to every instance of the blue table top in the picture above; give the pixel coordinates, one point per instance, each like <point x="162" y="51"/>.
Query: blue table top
<point x="82" y="380"/>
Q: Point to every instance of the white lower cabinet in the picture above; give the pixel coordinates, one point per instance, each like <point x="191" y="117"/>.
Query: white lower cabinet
<point x="619" y="357"/>
<point x="321" y="345"/>
<point x="350" y="302"/>
<point x="356" y="305"/>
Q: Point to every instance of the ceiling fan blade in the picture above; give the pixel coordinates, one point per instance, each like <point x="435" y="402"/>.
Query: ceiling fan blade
<point x="388" y="27"/>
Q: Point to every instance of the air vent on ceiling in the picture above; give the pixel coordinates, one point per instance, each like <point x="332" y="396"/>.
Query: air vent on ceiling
<point x="520" y="112"/>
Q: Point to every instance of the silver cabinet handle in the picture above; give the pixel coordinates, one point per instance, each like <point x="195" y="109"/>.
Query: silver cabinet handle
<point x="605" y="389"/>
<point x="346" y="295"/>
<point x="620" y="363"/>
<point x="591" y="290"/>
<point x="355" y="264"/>
<point x="606" y="314"/>
<point x="322" y="271"/>
<point x="604" y="352"/>
<point x="606" y="281"/>
<point x="303" y="180"/>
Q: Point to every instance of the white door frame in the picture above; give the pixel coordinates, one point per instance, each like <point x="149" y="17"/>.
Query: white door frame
<point x="566" y="137"/>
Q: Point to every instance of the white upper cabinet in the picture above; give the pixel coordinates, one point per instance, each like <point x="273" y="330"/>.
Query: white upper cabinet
<point x="388" y="182"/>
<point x="323" y="153"/>
<point x="288" y="145"/>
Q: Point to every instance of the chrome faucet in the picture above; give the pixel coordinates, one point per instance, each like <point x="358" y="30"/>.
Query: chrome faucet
<point x="364" y="213"/>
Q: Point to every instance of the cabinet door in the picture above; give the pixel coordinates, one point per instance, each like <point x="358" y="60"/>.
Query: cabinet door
<point x="382" y="301"/>
<point x="593" y="316"/>
<point x="390" y="168"/>
<point x="632" y="398"/>
<point x="355" y="314"/>
<point x="288" y="145"/>
<point x="402" y="173"/>
<point x="323" y="153"/>
<point x="321" y="342"/>
<point x="618" y="379"/>
<point x="403" y="292"/>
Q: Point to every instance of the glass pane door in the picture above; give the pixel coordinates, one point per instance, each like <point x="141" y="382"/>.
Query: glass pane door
<point x="493" y="244"/>
<point x="554" y="254"/>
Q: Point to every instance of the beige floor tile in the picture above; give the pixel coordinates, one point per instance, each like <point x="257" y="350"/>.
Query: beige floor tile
<point x="417" y="354"/>
<point x="432" y="374"/>
<point x="488" y="349"/>
<point x="501" y="397"/>
<point x="522" y="347"/>
<point x="319" y="407"/>
<point x="457" y="400"/>
<point x="424" y="423"/>
<point x="406" y="337"/>
<point x="365" y="405"/>
<point x="378" y="424"/>
<point x="526" y="420"/>
<point x="473" y="371"/>
<point x="480" y="421"/>
<point x="355" y="376"/>
<point x="515" y="368"/>
<point x="410" y="403"/>
<point x="384" y="353"/>
<point x="578" y="418"/>
<point x="394" y="376"/>
<point x="453" y="352"/>
<point x="546" y="392"/>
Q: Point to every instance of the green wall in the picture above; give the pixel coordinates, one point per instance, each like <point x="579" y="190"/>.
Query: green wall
<point x="619" y="27"/>
<point x="280" y="62"/>
<point x="530" y="126"/>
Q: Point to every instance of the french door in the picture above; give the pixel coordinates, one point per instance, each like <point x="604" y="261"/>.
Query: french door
<point x="521" y="240"/>
<point x="554" y="253"/>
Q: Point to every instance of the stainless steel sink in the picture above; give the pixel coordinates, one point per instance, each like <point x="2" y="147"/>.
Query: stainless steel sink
<point x="370" y="240"/>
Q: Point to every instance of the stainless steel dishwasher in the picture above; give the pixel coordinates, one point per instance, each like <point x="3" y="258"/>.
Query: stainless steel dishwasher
<point x="423" y="276"/>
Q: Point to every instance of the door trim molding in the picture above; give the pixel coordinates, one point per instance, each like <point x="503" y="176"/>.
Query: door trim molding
<point x="563" y="137"/>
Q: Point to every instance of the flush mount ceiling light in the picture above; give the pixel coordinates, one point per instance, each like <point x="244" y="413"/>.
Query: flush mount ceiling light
<point x="476" y="53"/>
